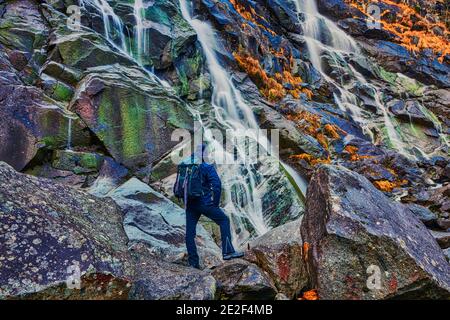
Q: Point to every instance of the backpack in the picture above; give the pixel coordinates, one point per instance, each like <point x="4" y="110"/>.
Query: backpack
<point x="189" y="181"/>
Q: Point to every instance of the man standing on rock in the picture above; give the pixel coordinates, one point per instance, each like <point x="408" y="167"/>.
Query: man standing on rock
<point x="199" y="185"/>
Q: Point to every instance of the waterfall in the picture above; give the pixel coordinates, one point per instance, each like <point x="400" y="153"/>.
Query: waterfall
<point x="321" y="33"/>
<point x="323" y="36"/>
<point x="113" y="25"/>
<point x="241" y="183"/>
<point x="140" y="31"/>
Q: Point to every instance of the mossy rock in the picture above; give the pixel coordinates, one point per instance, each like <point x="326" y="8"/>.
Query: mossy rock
<point x="132" y="113"/>
<point x="62" y="72"/>
<point x="77" y="162"/>
<point x="84" y="49"/>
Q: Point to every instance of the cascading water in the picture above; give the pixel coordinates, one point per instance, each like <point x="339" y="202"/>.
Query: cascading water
<point x="113" y="25"/>
<point x="140" y="31"/>
<point x="323" y="37"/>
<point x="242" y="184"/>
<point x="321" y="33"/>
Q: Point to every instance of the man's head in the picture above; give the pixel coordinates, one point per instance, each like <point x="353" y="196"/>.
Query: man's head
<point x="201" y="152"/>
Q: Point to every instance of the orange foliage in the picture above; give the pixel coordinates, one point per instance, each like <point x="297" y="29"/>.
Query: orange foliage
<point x="311" y="125"/>
<point x="305" y="250"/>
<point x="310" y="295"/>
<point x="270" y="87"/>
<point x="388" y="186"/>
<point x="310" y="159"/>
<point x="331" y="131"/>
<point x="412" y="30"/>
<point x="354" y="156"/>
<point x="249" y="14"/>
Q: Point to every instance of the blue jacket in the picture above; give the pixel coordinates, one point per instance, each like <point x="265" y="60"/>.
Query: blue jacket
<point x="211" y="184"/>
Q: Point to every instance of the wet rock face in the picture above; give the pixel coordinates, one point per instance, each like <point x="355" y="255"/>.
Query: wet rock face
<point x="168" y="43"/>
<point x="387" y="47"/>
<point x="241" y="280"/>
<point x="352" y="229"/>
<point x="30" y="120"/>
<point x="131" y="113"/>
<point x="49" y="231"/>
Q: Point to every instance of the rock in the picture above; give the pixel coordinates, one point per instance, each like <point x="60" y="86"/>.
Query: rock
<point x="292" y="141"/>
<point x="84" y="49"/>
<point x="447" y="254"/>
<point x="152" y="219"/>
<point x="159" y="280"/>
<point x="360" y="28"/>
<point x="338" y="9"/>
<point x="438" y="101"/>
<point x="241" y="280"/>
<point x="281" y="296"/>
<point x="352" y="230"/>
<point x="439" y="200"/>
<point x="49" y="230"/>
<point x="31" y="121"/>
<point x="131" y="113"/>
<point x="410" y="111"/>
<point x="395" y="58"/>
<point x="425" y="215"/>
<point x="23" y="35"/>
<point x="77" y="162"/>
<point x="69" y="178"/>
<point x="443" y="223"/>
<point x="279" y="254"/>
<point x="443" y="238"/>
<point x="62" y="72"/>
<point x="111" y="176"/>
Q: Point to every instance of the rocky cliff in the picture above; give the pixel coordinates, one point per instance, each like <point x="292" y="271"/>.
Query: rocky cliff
<point x="91" y="92"/>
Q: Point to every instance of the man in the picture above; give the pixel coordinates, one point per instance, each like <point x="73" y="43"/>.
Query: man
<point x="208" y="205"/>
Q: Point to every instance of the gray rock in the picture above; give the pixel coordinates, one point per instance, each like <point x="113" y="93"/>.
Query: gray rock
<point x="159" y="280"/>
<point x="241" y="280"/>
<point x="77" y="162"/>
<point x="49" y="230"/>
<point x="110" y="177"/>
<point x="443" y="238"/>
<point x="425" y="215"/>
<point x="447" y="254"/>
<point x="30" y="120"/>
<point x="153" y="219"/>
<point x="444" y="224"/>
<point x="351" y="229"/>
<point x="279" y="254"/>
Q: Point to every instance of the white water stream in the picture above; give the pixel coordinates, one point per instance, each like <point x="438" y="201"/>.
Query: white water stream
<point x="323" y="36"/>
<point x="230" y="111"/>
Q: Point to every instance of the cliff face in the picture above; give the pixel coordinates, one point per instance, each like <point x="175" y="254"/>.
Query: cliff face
<point x="362" y="88"/>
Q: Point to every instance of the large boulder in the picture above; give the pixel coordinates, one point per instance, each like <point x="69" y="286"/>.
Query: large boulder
<point x="158" y="280"/>
<point x="50" y="233"/>
<point x="241" y="280"/>
<point x="154" y="220"/>
<point x="131" y="113"/>
<point x="279" y="254"/>
<point x="356" y="238"/>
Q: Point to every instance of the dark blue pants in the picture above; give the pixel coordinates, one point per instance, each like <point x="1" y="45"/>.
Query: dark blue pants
<point x="193" y="212"/>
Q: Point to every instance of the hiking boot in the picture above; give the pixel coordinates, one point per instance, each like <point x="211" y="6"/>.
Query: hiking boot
<point x="234" y="255"/>
<point x="196" y="266"/>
